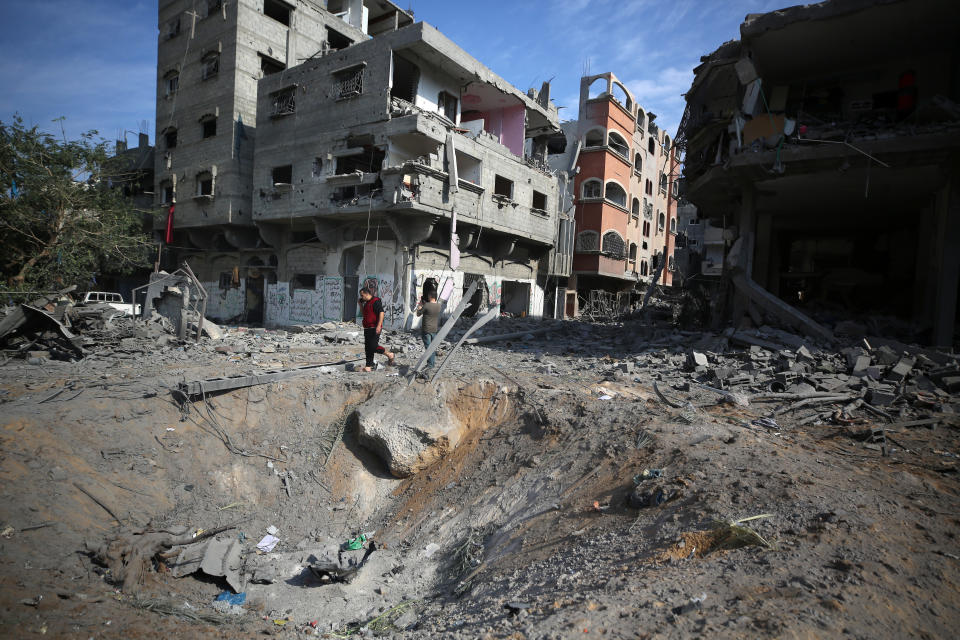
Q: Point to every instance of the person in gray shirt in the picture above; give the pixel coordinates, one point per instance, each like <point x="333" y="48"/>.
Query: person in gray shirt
<point x="429" y="309"/>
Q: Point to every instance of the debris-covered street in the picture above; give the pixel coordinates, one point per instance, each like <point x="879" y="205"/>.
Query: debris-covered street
<point x="613" y="479"/>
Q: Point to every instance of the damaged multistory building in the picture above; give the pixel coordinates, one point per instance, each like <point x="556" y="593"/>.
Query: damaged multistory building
<point x="624" y="166"/>
<point x="826" y="142"/>
<point x="396" y="161"/>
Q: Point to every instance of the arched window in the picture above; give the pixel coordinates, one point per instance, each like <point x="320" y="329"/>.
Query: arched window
<point x="673" y="225"/>
<point x="594" y="138"/>
<point x="588" y="241"/>
<point x="661" y="221"/>
<point x="663" y="182"/>
<point x="613" y="245"/>
<point x="641" y="119"/>
<point x="615" y="193"/>
<point x="591" y="189"/>
<point x="635" y="207"/>
<point x="666" y="144"/>
<point x="597" y="88"/>
<point x="633" y="252"/>
<point x="637" y="162"/>
<point x="620" y="95"/>
<point x="651" y="145"/>
<point x="644" y="269"/>
<point x="618" y="145"/>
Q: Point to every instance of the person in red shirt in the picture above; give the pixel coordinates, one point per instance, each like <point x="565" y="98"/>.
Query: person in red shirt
<point x="372" y="309"/>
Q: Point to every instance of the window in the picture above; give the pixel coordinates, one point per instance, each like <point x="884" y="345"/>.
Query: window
<point x="692" y="222"/>
<point x="651" y="146"/>
<point x="613" y="245"/>
<point x="556" y="144"/>
<point x="615" y="194"/>
<point x="648" y="188"/>
<point x="663" y="183"/>
<point x="661" y="221"/>
<point x="633" y="252"/>
<point x="588" y="241"/>
<point x="644" y="269"/>
<point x="591" y="189"/>
<point x="448" y="105"/>
<point x="336" y="40"/>
<point x="594" y="138"/>
<point x="213" y="6"/>
<point x="284" y="102"/>
<point x="637" y="163"/>
<point x="646" y="231"/>
<point x="666" y="144"/>
<point x="283" y="175"/>
<point x="270" y="66"/>
<point x="539" y="201"/>
<point x="304" y="281"/>
<point x="211" y="65"/>
<point x="277" y="10"/>
<point x="208" y="127"/>
<point x="173" y="28"/>
<point x="205" y="183"/>
<point x="317" y="170"/>
<point x="644" y="245"/>
<point x="635" y="208"/>
<point x="349" y="82"/>
<point x="171" y="82"/>
<point x="618" y="145"/>
<point x="166" y="192"/>
<point x="673" y="225"/>
<point x="641" y="120"/>
<point x="671" y="264"/>
<point x="503" y="187"/>
<point x="170" y="138"/>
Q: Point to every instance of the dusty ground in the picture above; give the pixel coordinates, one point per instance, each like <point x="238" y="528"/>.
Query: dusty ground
<point x="531" y="509"/>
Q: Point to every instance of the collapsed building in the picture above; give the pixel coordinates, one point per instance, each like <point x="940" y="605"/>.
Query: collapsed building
<point x="624" y="166"/>
<point x="825" y="142"/>
<point x="355" y="148"/>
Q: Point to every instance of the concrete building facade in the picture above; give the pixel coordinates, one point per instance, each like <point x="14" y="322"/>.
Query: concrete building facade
<point x="834" y="167"/>
<point x="622" y="163"/>
<point x="384" y="161"/>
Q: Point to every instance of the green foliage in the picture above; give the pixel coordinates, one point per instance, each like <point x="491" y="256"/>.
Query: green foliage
<point x="61" y="220"/>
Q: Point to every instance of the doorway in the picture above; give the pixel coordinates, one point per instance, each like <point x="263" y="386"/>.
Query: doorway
<point x="350" y="270"/>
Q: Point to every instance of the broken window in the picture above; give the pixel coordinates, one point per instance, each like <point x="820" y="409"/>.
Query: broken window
<point x="646" y="231"/>
<point x="615" y="194"/>
<point x="641" y="120"/>
<point x="303" y="281"/>
<point x="661" y="221"/>
<point x="336" y="40"/>
<point x="539" y="201"/>
<point x="166" y="192"/>
<point x="317" y="170"/>
<point x="666" y="144"/>
<point x="284" y="102"/>
<point x="556" y="144"/>
<point x="279" y="11"/>
<point x="208" y="126"/>
<point x="406" y="78"/>
<point x="173" y="28"/>
<point x="671" y="264"/>
<point x="282" y="175"/>
<point x="503" y="187"/>
<point x="588" y="241"/>
<point x="592" y="189"/>
<point x="170" y="138"/>
<point x="618" y="145"/>
<point x="270" y="66"/>
<point x="468" y="168"/>
<point x="448" y="105"/>
<point x="594" y="138"/>
<point x="349" y="82"/>
<point x="673" y="225"/>
<point x="643" y="268"/>
<point x="644" y="245"/>
<point x="620" y="95"/>
<point x="211" y="65"/>
<point x="205" y="183"/>
<point x="369" y="159"/>
<point x="633" y="251"/>
<point x="635" y="208"/>
<point x="637" y="163"/>
<point x="171" y="82"/>
<point x="613" y="245"/>
<point x="651" y="145"/>
<point x="663" y="183"/>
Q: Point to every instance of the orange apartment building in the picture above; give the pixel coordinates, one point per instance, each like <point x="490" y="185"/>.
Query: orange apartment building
<point x="623" y="165"/>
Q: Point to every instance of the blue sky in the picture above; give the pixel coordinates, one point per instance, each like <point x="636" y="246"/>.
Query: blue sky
<point x="94" y="61"/>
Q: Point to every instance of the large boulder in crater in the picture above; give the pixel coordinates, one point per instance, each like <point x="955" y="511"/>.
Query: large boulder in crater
<point x="409" y="432"/>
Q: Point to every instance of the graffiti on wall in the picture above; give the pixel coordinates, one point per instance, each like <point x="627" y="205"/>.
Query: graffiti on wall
<point x="332" y="296"/>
